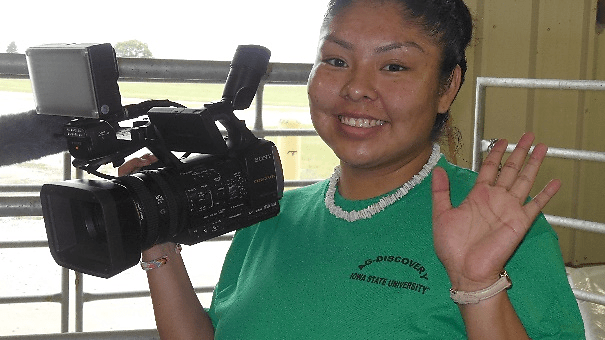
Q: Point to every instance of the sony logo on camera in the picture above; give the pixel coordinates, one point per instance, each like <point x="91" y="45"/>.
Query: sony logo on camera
<point x="263" y="158"/>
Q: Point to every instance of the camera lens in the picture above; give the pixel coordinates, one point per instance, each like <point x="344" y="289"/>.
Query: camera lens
<point x="92" y="218"/>
<point x="156" y="204"/>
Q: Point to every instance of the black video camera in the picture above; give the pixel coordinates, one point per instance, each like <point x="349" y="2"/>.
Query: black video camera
<point x="100" y="227"/>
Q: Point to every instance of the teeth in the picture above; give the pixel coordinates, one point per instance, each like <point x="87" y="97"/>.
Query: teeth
<point x="361" y="122"/>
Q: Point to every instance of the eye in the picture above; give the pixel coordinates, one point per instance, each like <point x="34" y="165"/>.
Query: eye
<point x="336" y="62"/>
<point x="395" y="68"/>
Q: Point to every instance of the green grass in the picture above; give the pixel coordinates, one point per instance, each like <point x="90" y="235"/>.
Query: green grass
<point x="15" y="85"/>
<point x="316" y="159"/>
<point x="286" y="95"/>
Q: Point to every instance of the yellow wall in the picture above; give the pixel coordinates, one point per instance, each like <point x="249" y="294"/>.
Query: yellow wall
<point x="553" y="39"/>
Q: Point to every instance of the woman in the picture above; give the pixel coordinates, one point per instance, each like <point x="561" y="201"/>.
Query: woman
<point x="364" y="255"/>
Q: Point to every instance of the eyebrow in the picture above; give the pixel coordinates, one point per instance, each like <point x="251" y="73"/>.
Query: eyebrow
<point x="382" y="49"/>
<point x="397" y="45"/>
<point x="340" y="42"/>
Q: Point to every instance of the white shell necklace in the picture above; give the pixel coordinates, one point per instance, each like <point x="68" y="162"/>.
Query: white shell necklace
<point x="352" y="216"/>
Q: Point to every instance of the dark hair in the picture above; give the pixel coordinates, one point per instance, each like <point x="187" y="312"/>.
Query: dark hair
<point x="448" y="21"/>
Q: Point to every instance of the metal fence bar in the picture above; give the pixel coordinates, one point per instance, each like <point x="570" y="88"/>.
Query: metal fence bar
<point x="589" y="297"/>
<point x="79" y="301"/>
<point x="555" y="84"/>
<point x="150" y="334"/>
<point x="578" y="155"/>
<point x="19" y="188"/>
<point x="484" y="82"/>
<point x="567" y="222"/>
<point x="21" y="206"/>
<point x="64" y="271"/>
<point x="89" y="297"/>
<point x="480" y="145"/>
<point x="30" y="299"/>
<point x="64" y="300"/>
<point x="14" y="65"/>
<point x="23" y="244"/>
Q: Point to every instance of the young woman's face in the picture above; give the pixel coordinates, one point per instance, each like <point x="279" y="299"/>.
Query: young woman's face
<point x="374" y="90"/>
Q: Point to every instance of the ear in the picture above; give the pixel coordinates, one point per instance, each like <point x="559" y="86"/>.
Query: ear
<point x="447" y="97"/>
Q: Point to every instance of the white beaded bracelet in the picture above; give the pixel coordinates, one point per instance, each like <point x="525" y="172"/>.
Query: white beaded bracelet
<point x="465" y="298"/>
<point x="160" y="261"/>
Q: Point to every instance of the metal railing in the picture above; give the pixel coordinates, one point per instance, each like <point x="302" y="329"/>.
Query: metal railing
<point x="481" y="145"/>
<point x="134" y="70"/>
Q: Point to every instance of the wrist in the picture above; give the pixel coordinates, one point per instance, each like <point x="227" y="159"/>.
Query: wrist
<point x="475" y="296"/>
<point x="159" y="250"/>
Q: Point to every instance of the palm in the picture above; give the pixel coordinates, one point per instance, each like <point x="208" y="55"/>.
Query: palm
<point x="474" y="240"/>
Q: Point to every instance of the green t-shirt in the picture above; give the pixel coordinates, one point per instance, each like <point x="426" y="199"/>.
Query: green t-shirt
<point x="306" y="274"/>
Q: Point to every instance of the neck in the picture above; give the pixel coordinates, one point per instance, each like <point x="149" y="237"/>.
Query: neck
<point x="363" y="183"/>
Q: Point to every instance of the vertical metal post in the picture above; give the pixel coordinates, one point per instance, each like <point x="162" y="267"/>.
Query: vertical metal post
<point x="65" y="271"/>
<point x="479" y="123"/>
<point x="64" y="300"/>
<point x="258" y="121"/>
<point x="79" y="302"/>
<point x="79" y="286"/>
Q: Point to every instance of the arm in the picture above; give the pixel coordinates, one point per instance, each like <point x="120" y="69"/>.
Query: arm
<point x="494" y="318"/>
<point x="475" y="240"/>
<point x="178" y="312"/>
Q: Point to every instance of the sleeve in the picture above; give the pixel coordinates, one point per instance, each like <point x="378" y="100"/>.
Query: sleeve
<point x="541" y="293"/>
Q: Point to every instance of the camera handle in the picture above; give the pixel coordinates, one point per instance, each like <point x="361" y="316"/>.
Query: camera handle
<point x="239" y="136"/>
<point x="158" y="147"/>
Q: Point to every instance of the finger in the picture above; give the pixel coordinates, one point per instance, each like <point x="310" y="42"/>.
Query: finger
<point x="525" y="180"/>
<point x="129" y="167"/>
<point x="490" y="166"/>
<point x="135" y="164"/>
<point x="441" y="191"/>
<point x="514" y="163"/>
<point x="148" y="159"/>
<point x="533" y="207"/>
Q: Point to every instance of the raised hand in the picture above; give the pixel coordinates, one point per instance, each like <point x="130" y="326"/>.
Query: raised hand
<point x="475" y="240"/>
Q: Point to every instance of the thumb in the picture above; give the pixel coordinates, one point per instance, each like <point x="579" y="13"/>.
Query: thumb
<point x="441" y="191"/>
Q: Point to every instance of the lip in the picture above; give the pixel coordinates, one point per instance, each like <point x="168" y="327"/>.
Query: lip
<point x="365" y="126"/>
<point x="360" y="122"/>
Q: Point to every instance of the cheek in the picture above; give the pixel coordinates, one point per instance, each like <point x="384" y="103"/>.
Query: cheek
<point x="322" y="91"/>
<point x="409" y="104"/>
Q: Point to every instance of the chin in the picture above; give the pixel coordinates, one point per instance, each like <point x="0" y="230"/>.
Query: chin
<point x="358" y="160"/>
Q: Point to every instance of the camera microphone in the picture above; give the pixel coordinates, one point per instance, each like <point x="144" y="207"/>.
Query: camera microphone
<point x="27" y="136"/>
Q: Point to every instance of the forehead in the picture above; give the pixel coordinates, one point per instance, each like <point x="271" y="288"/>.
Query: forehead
<point x="367" y="7"/>
<point x="377" y="21"/>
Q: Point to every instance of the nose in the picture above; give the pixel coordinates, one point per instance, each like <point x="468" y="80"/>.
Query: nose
<point x="359" y="85"/>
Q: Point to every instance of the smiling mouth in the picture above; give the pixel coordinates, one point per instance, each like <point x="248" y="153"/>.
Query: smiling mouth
<point x="361" y="122"/>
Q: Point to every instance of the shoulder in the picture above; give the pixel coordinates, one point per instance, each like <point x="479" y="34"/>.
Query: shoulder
<point x="312" y="191"/>
<point x="461" y="180"/>
<point x="457" y="174"/>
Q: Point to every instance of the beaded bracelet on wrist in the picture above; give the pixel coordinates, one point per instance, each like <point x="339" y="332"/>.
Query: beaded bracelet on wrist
<point x="160" y="261"/>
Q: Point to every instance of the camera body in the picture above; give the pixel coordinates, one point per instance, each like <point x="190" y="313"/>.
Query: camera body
<point x="100" y="227"/>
